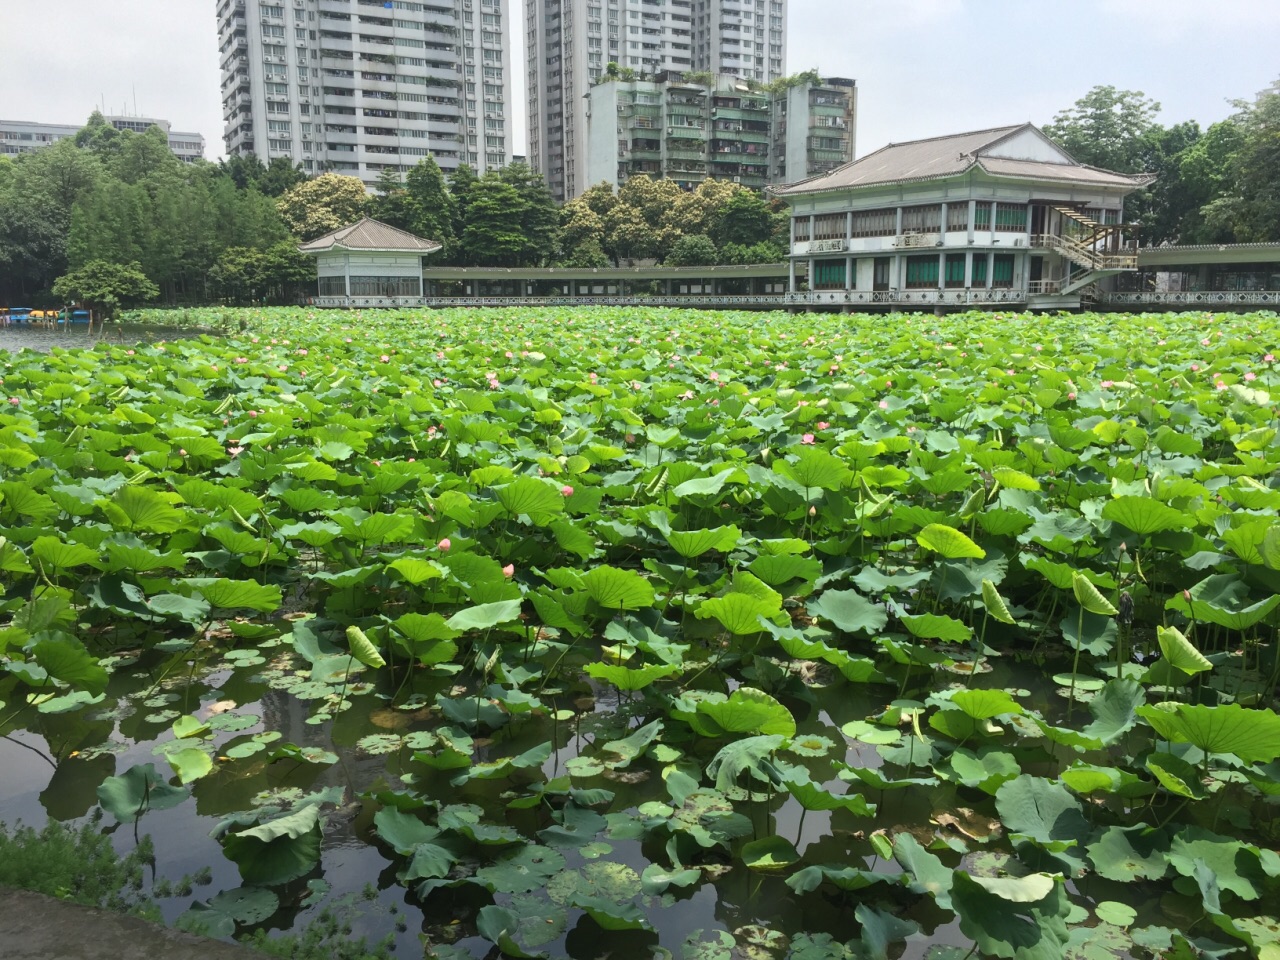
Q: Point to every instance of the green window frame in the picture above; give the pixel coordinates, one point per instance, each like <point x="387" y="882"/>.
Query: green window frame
<point x="979" y="270"/>
<point x="1011" y="217"/>
<point x="1002" y="270"/>
<point x="829" y="274"/>
<point x="955" y="270"/>
<point x="922" y="272"/>
<point x="982" y="216"/>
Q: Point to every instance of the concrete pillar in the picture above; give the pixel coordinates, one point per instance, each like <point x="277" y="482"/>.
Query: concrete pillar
<point x="991" y="267"/>
<point x="942" y="269"/>
<point x="994" y="205"/>
<point x="850" y="281"/>
<point x="791" y="269"/>
<point x="942" y="221"/>
<point x="897" y="229"/>
<point x="973" y="209"/>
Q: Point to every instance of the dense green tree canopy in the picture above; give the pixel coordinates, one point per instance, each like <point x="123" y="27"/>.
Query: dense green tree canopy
<point x="327" y="203"/>
<point x="105" y="287"/>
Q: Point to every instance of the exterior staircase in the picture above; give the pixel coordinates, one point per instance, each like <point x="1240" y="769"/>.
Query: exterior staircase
<point x="1098" y="250"/>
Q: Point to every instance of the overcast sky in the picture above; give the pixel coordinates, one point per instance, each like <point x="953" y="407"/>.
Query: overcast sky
<point x="924" y="67"/>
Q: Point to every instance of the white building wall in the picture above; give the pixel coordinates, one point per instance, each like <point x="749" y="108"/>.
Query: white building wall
<point x="570" y="43"/>
<point x="356" y="87"/>
<point x="19" y="136"/>
<point x="743" y="38"/>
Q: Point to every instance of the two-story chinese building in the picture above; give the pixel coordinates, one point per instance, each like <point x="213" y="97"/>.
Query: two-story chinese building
<point x="1000" y="216"/>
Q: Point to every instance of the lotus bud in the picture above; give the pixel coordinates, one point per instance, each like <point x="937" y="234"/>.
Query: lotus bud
<point x="509" y="570"/>
<point x="444" y="545"/>
<point x="813" y="511"/>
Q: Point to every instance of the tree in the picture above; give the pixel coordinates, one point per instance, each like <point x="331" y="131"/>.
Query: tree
<point x="247" y="275"/>
<point x="491" y="236"/>
<point x="1251" y="205"/>
<point x="1107" y="128"/>
<point x="744" y="219"/>
<point x="432" y="206"/>
<point x="695" y="250"/>
<point x="391" y="202"/>
<point x="105" y="287"/>
<point x="327" y="203"/>
<point x="540" y="219"/>
<point x="461" y="183"/>
<point x="279" y="175"/>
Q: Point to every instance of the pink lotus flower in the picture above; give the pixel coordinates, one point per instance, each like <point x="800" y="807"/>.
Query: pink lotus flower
<point x="1071" y="395"/>
<point x="14" y="401"/>
<point x="129" y="353"/>
<point x="566" y="491"/>
<point x="444" y="545"/>
<point x="823" y="425"/>
<point x="1251" y="376"/>
<point x="182" y="452"/>
<point x="807" y="438"/>
<point x="1269" y="358"/>
<point x="377" y="463"/>
<point x="509" y="570"/>
<point x="385" y="359"/>
<point x="235" y="451"/>
<point x="1195" y="367"/>
<point x="884" y="404"/>
<point x="253" y="413"/>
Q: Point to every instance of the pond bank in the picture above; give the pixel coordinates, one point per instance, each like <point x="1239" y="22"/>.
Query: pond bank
<point x="36" y="927"/>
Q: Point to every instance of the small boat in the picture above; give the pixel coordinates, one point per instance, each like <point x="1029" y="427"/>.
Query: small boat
<point x="19" y="314"/>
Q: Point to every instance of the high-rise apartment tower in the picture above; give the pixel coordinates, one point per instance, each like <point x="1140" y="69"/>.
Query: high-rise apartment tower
<point x="357" y="86"/>
<point x="570" y="44"/>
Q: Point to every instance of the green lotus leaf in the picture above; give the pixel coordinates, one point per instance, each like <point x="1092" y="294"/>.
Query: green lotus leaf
<point x="1011" y="917"/>
<point x="748" y="710"/>
<point x="363" y="649"/>
<point x="694" y="543"/>
<point x="1115" y="710"/>
<point x="67" y="661"/>
<point x="995" y="606"/>
<point x="1125" y="854"/>
<point x="927" y="872"/>
<point x="1251" y="734"/>
<point x="1221" y="599"/>
<point x="986" y="704"/>
<point x="1143" y="515"/>
<point x="617" y="589"/>
<point x="1180" y="652"/>
<point x="1087" y="596"/>
<point x="703" y="486"/>
<point x="932" y="626"/>
<point x="777" y="569"/>
<point x="740" y="613"/>
<point x="138" y="508"/>
<point x="539" y="500"/>
<point x="521" y="870"/>
<point x="1015" y="479"/>
<point x="137" y="790"/>
<point x="416" y="570"/>
<point x="1043" y="811"/>
<point x="236" y="594"/>
<point x="190" y="764"/>
<point x="849" y="611"/>
<point x="63" y="556"/>
<point x="278" y="850"/>
<point x="949" y="542"/>
<point x="484" y="616"/>
<point x="769" y="854"/>
<point x="850" y="879"/>
<point x="812" y="796"/>
<point x="628" y="679"/>
<point x="815" y="469"/>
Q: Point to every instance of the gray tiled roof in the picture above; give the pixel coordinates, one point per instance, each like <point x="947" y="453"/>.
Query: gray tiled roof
<point x="369" y="234"/>
<point x="949" y="156"/>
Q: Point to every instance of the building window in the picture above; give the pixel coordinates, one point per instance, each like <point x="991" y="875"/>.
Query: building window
<point x="982" y="216"/>
<point x="922" y="272"/>
<point x="922" y="220"/>
<point x="1002" y="270"/>
<point x="802" y="229"/>
<point x="958" y="217"/>
<point x="875" y="223"/>
<point x="1011" y="218"/>
<point x="980" y="269"/>
<point x="333" y="286"/>
<point x="829" y="274"/>
<point x="955" y="270"/>
<point x="829" y="226"/>
<point x="386" y="286"/>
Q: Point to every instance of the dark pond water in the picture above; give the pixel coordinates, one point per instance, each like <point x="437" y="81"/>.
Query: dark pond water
<point x="53" y="764"/>
<point x="29" y="336"/>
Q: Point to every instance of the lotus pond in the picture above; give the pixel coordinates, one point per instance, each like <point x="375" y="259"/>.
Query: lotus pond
<point x="637" y="633"/>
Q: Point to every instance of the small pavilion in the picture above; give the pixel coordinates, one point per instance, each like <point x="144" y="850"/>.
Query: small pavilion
<point x="370" y="258"/>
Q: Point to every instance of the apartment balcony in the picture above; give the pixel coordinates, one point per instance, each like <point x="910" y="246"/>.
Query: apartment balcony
<point x="679" y="132"/>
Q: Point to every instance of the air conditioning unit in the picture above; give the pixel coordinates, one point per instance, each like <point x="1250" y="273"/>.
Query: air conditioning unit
<point x="1018" y="242"/>
<point x="737" y="179"/>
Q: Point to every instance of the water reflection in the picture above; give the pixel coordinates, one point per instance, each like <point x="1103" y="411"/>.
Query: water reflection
<point x="20" y="336"/>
